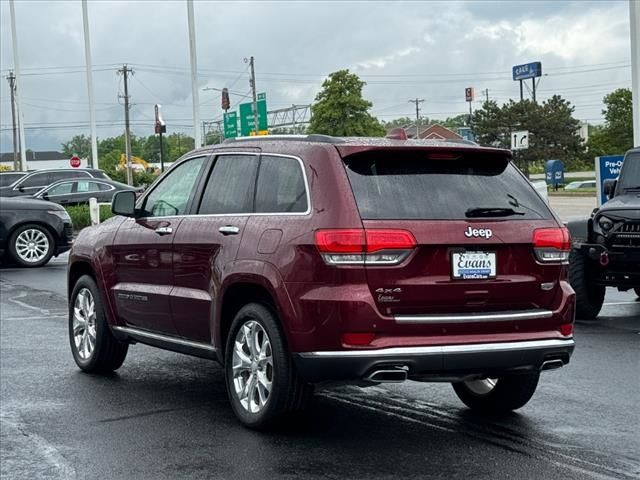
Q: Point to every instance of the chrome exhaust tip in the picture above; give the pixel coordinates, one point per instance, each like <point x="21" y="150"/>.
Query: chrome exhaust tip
<point x="396" y="375"/>
<point x="552" y="365"/>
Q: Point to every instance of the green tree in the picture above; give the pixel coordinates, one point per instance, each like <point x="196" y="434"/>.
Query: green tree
<point x="453" y="123"/>
<point x="79" y="145"/>
<point x="616" y="135"/>
<point x="553" y="132"/>
<point x="340" y="110"/>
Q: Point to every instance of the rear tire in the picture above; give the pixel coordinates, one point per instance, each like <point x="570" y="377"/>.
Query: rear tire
<point x="262" y="383"/>
<point x="31" y="245"/>
<point x="500" y="395"/>
<point x="94" y="348"/>
<point x="589" y="297"/>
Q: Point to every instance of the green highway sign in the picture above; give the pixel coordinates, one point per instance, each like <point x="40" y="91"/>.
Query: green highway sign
<point x="230" y="125"/>
<point x="247" y="124"/>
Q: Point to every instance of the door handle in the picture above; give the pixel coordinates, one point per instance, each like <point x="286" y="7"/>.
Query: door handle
<point x="229" y="230"/>
<point x="164" y="230"/>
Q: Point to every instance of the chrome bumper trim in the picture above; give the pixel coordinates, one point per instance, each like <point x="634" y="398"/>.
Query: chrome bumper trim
<point x="443" y="349"/>
<point x="164" y="338"/>
<point x="476" y="317"/>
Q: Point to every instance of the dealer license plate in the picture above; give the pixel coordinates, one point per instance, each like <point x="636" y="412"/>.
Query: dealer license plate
<point x="473" y="265"/>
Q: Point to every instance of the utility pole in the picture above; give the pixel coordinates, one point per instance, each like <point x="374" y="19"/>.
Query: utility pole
<point x="486" y="94"/>
<point x="12" y="87"/>
<point x="533" y="91"/>
<point x="252" y="81"/>
<point x="417" y="101"/>
<point x="125" y="71"/>
<point x="16" y="67"/>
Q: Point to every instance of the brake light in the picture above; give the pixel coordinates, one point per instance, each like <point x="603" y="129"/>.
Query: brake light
<point x="552" y="245"/>
<point x="360" y="246"/>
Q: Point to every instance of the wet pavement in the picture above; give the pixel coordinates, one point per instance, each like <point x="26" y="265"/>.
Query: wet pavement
<point x="163" y="415"/>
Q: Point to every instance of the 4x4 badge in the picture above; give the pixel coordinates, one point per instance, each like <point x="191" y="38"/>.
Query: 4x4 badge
<point x="478" y="232"/>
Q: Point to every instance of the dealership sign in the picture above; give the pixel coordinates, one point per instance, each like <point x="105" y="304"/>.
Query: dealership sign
<point x="607" y="168"/>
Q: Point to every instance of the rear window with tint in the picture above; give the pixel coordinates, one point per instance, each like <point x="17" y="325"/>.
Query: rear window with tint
<point x="411" y="186"/>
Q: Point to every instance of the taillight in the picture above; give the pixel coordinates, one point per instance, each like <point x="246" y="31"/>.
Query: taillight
<point x="360" y="246"/>
<point x="551" y="245"/>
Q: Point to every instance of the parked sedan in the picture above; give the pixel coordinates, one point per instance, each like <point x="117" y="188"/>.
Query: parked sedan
<point x="581" y="185"/>
<point x="32" y="231"/>
<point x="76" y="191"/>
<point x="9" y="178"/>
<point x="35" y="181"/>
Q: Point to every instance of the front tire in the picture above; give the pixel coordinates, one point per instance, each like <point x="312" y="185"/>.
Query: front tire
<point x="31" y="245"/>
<point x="94" y="348"/>
<point x="498" y="395"/>
<point x="262" y="382"/>
<point x="589" y="297"/>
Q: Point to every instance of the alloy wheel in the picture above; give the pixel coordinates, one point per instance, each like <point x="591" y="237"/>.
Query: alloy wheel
<point x="32" y="245"/>
<point x="252" y="366"/>
<point x="84" y="324"/>
<point x="482" y="387"/>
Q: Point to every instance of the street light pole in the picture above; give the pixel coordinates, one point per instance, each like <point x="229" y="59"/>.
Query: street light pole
<point x="634" y="19"/>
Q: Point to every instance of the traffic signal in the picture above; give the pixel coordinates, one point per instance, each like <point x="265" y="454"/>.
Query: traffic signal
<point x="468" y="94"/>
<point x="226" y="103"/>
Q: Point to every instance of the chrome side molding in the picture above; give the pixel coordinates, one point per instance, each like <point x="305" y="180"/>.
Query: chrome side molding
<point x="507" y="316"/>
<point x="134" y="332"/>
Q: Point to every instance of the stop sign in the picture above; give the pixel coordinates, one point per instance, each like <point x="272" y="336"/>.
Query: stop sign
<point x="75" y="161"/>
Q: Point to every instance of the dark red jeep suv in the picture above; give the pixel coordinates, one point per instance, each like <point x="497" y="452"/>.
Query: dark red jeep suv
<point x="301" y="260"/>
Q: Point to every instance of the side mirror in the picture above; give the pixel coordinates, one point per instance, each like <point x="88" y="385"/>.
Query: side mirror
<point x="124" y="203"/>
<point x="21" y="188"/>
<point x="45" y="196"/>
<point x="610" y="187"/>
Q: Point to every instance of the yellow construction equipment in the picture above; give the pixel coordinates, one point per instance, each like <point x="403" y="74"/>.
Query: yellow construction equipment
<point x="134" y="161"/>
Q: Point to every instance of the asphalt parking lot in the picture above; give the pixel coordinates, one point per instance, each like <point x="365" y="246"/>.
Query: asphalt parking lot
<point x="163" y="415"/>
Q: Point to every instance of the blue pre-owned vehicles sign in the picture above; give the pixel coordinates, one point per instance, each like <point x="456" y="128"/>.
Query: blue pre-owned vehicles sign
<point x="527" y="70"/>
<point x="607" y="167"/>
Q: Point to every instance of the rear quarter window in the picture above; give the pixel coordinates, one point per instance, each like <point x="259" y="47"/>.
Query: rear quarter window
<point x="412" y="186"/>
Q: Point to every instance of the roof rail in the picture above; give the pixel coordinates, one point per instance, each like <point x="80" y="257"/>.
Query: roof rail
<point x="290" y="138"/>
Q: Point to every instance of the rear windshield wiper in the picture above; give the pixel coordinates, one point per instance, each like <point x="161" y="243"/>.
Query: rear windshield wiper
<point x="492" y="212"/>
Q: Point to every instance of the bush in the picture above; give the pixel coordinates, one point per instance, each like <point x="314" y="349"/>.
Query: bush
<point x="80" y="215"/>
<point x="140" y="179"/>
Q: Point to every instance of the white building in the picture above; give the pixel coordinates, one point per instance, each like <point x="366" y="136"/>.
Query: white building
<point x="41" y="160"/>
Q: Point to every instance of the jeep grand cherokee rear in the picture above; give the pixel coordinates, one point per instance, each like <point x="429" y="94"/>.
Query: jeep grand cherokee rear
<point x="299" y="260"/>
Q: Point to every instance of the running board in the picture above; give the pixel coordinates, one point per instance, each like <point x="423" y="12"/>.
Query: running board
<point x="167" y="342"/>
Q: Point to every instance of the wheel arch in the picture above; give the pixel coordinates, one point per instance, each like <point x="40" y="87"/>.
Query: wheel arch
<point x="240" y="289"/>
<point x="579" y="230"/>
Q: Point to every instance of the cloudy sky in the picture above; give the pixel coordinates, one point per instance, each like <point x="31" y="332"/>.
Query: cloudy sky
<point x="430" y="50"/>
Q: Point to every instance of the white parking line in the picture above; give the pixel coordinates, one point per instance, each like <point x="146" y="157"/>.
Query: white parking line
<point x="635" y="302"/>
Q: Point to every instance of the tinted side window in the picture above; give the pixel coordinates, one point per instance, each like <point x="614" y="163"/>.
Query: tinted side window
<point x="230" y="186"/>
<point x="280" y="187"/>
<point x="55" y="176"/>
<point x="171" y="196"/>
<point x="36" y="180"/>
<point x="61" y="189"/>
<point x="85" y="186"/>
<point x="103" y="186"/>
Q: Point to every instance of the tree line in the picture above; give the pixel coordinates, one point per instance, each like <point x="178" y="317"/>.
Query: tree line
<point x="340" y="109"/>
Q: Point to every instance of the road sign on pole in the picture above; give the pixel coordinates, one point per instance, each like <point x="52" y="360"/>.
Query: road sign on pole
<point x="520" y="140"/>
<point x="230" y="125"/>
<point x="247" y="125"/>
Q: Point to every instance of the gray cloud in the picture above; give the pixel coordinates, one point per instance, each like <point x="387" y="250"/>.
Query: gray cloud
<point x="403" y="50"/>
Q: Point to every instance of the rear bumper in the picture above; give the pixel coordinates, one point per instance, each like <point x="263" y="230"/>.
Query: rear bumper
<point x="433" y="361"/>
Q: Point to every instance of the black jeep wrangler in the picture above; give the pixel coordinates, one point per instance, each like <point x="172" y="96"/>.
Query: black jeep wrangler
<point x="606" y="247"/>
